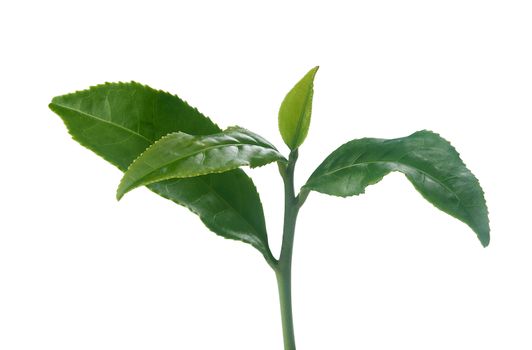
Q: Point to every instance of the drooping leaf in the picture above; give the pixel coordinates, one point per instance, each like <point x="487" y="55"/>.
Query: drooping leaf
<point x="180" y="155"/>
<point x="118" y="121"/>
<point x="296" y="110"/>
<point x="428" y="161"/>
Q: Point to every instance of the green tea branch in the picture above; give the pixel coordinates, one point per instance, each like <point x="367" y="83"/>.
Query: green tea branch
<point x="157" y="140"/>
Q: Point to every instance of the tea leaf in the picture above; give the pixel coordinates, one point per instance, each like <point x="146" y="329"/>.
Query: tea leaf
<point x="118" y="121"/>
<point x="296" y="110"/>
<point x="180" y="155"/>
<point x="428" y="161"/>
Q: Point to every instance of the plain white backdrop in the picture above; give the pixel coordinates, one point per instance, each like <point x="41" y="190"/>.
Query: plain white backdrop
<point x="384" y="270"/>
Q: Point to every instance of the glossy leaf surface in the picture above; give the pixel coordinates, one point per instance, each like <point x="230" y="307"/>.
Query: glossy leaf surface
<point x="119" y="121"/>
<point x="428" y="161"/>
<point x="180" y="155"/>
<point x="296" y="110"/>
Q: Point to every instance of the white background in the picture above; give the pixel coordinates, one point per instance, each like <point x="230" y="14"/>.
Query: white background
<point x="384" y="270"/>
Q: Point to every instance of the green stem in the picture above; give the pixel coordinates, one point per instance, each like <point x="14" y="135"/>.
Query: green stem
<point x="283" y="269"/>
<point x="284" y="284"/>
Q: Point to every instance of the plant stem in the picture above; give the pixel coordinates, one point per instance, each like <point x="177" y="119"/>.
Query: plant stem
<point x="284" y="284"/>
<point x="283" y="270"/>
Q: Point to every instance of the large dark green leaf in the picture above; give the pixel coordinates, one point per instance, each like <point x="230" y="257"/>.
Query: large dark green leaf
<point x="296" y="110"/>
<point x="180" y="155"/>
<point x="119" y="121"/>
<point x="428" y="161"/>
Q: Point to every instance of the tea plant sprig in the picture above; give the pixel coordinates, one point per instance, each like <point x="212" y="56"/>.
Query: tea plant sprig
<point x="159" y="141"/>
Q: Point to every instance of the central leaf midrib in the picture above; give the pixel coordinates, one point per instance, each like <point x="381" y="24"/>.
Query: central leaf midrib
<point x="396" y="162"/>
<point x="204" y="150"/>
<point x="300" y="120"/>
<point x="103" y="121"/>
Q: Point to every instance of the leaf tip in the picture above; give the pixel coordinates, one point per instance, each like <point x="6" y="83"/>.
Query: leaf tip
<point x="121" y="190"/>
<point x="484" y="240"/>
<point x="52" y="106"/>
<point x="119" y="195"/>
